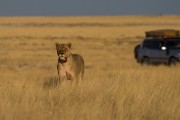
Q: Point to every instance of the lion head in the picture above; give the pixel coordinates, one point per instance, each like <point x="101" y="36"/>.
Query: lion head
<point x="63" y="51"/>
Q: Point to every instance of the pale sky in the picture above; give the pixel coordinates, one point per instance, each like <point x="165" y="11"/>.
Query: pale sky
<point x="88" y="7"/>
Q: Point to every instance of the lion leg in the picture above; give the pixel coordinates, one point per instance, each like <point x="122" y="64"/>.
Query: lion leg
<point x="61" y="79"/>
<point x="81" y="76"/>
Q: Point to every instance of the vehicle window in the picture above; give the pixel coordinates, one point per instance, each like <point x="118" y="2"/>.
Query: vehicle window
<point x="152" y="44"/>
<point x="147" y="44"/>
<point x="173" y="44"/>
<point x="162" y="43"/>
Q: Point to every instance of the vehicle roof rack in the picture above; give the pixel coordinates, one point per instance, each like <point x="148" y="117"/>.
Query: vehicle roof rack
<point x="163" y="33"/>
<point x="164" y="37"/>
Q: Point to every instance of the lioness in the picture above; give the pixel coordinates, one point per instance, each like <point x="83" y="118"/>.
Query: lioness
<point x="69" y="66"/>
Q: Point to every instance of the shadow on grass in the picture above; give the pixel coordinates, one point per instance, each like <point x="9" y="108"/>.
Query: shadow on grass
<point x="51" y="82"/>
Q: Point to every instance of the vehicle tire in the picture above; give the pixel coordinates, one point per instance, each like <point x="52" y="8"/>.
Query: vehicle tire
<point x="145" y="61"/>
<point x="172" y="61"/>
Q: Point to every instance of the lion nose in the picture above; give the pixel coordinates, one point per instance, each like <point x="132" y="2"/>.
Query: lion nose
<point x="61" y="53"/>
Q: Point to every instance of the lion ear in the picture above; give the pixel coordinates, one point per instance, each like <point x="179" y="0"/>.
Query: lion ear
<point x="69" y="44"/>
<point x="57" y="45"/>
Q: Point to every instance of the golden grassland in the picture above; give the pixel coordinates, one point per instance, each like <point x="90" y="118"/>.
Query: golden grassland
<point x="115" y="87"/>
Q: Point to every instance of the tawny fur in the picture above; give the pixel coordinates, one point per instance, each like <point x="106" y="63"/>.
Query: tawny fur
<point x="70" y="66"/>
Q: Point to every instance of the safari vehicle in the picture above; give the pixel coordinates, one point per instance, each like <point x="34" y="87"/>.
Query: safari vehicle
<point x="161" y="46"/>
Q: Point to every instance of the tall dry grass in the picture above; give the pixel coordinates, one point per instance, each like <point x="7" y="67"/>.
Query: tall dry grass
<point x="114" y="86"/>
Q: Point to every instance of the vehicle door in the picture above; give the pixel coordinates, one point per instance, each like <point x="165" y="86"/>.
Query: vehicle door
<point x="173" y="47"/>
<point x="155" y="51"/>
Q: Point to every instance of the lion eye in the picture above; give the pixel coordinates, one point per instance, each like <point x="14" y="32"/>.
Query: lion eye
<point x="66" y="49"/>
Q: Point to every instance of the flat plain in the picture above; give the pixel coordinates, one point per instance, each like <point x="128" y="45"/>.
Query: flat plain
<point x="115" y="87"/>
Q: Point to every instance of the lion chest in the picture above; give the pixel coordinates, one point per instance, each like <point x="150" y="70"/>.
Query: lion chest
<point x="66" y="72"/>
